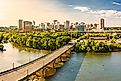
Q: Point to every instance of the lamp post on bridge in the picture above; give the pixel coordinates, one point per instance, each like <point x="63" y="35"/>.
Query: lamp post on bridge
<point x="27" y="72"/>
<point x="29" y="59"/>
<point x="43" y="62"/>
<point x="13" y="65"/>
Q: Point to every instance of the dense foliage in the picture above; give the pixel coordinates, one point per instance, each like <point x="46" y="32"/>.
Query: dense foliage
<point x="1" y="47"/>
<point x="91" y="45"/>
<point x="44" y="40"/>
<point x="87" y="36"/>
<point x="39" y="42"/>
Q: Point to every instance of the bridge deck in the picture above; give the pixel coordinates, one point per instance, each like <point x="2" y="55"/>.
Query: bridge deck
<point x="30" y="68"/>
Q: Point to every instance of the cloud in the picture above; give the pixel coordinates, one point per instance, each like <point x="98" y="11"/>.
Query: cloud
<point x="70" y="5"/>
<point x="117" y="3"/>
<point x="82" y="9"/>
<point x="105" y="13"/>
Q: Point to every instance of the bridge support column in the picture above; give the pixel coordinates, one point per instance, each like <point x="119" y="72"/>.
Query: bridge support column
<point x="64" y="57"/>
<point x="68" y="53"/>
<point x="51" y="65"/>
<point x="44" y="72"/>
<point x="41" y="73"/>
<point x="60" y="58"/>
<point x="50" y="68"/>
<point x="58" y="63"/>
<point x="50" y="71"/>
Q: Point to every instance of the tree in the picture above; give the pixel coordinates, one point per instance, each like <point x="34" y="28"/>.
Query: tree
<point x="29" y="42"/>
<point x="88" y="49"/>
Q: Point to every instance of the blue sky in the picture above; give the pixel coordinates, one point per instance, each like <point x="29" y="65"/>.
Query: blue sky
<point x="88" y="11"/>
<point x="91" y="10"/>
<point x="95" y="4"/>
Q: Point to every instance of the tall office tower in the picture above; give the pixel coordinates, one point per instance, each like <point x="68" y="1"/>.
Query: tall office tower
<point x="28" y="26"/>
<point x="55" y="24"/>
<point x="43" y="26"/>
<point x="102" y="22"/>
<point x="55" y="21"/>
<point x="20" y="24"/>
<point x="67" y="24"/>
<point x="58" y="25"/>
<point x="80" y="27"/>
<point x="47" y="24"/>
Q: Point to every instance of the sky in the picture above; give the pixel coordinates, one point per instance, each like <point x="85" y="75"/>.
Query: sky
<point x="88" y="11"/>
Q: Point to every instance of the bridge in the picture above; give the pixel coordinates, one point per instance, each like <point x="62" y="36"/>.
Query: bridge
<point x="41" y="64"/>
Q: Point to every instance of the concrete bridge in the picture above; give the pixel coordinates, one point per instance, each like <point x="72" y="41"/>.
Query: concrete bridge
<point x="41" y="65"/>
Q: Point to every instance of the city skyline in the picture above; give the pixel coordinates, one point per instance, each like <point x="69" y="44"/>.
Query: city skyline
<point x="47" y="11"/>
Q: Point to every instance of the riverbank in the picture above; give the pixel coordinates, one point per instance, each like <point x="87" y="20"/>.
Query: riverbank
<point x="30" y="49"/>
<point x="96" y="46"/>
<point x="14" y="55"/>
<point x="41" y="63"/>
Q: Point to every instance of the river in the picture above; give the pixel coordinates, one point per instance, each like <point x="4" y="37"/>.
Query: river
<point x="80" y="67"/>
<point x="90" y="67"/>
<point x="13" y="57"/>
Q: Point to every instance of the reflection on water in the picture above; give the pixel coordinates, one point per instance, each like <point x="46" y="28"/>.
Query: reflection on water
<point x="95" y="67"/>
<point x="13" y="55"/>
<point x="101" y="67"/>
<point x="70" y="69"/>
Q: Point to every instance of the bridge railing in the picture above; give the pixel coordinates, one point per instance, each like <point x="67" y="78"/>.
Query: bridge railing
<point x="47" y="63"/>
<point x="19" y="67"/>
<point x="23" y="65"/>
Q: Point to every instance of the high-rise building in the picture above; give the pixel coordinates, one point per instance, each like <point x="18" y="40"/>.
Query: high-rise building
<point x="55" y="21"/>
<point x="67" y="24"/>
<point x="55" y="24"/>
<point x="27" y="26"/>
<point x="102" y="23"/>
<point x="46" y="25"/>
<point x="80" y="27"/>
<point x="20" y="24"/>
<point x="43" y="26"/>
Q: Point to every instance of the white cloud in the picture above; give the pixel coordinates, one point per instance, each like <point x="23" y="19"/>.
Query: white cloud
<point x="70" y="5"/>
<point x="116" y="3"/>
<point x="105" y="13"/>
<point x="82" y="9"/>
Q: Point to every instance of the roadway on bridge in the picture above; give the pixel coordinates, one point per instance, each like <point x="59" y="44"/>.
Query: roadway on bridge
<point x="34" y="66"/>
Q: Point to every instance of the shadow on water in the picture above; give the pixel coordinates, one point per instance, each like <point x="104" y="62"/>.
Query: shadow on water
<point x="101" y="67"/>
<point x="98" y="54"/>
<point x="70" y="69"/>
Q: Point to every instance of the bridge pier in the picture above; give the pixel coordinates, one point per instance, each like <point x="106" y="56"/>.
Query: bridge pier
<point x="42" y="72"/>
<point x="50" y="71"/>
<point x="50" y="68"/>
<point x="66" y="55"/>
<point x="37" y="76"/>
<point x="51" y="65"/>
<point x="58" y="63"/>
<point x="64" y="58"/>
<point x="46" y="72"/>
